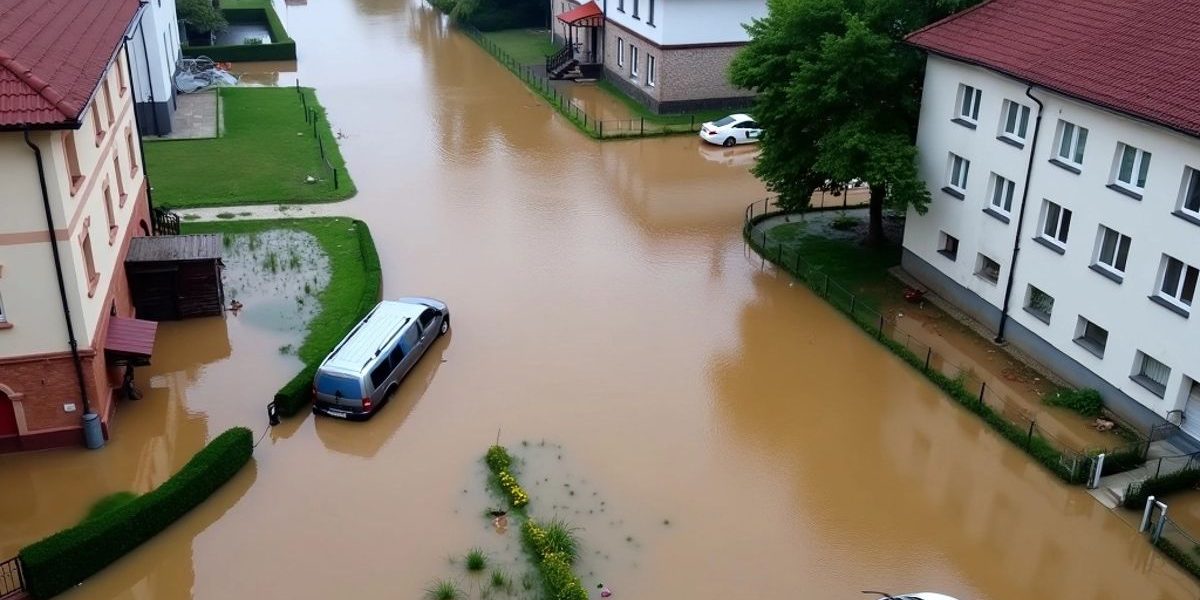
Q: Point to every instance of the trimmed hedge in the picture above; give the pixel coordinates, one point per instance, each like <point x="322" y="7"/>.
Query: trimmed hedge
<point x="297" y="393"/>
<point x="63" y="560"/>
<point x="282" y="46"/>
<point x="1136" y="493"/>
<point x="1123" y="460"/>
<point x="1180" y="556"/>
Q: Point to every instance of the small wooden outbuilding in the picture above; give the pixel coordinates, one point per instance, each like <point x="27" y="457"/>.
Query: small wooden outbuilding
<point x="175" y="276"/>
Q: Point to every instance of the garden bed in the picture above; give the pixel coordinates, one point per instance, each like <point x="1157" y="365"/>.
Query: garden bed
<point x="279" y="47"/>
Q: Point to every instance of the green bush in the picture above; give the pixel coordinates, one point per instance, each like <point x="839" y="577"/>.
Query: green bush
<point x="1083" y="401"/>
<point x="1136" y="493"/>
<point x="282" y="46"/>
<point x="297" y="393"/>
<point x="66" y="558"/>
<point x="1122" y="460"/>
<point x="110" y="502"/>
<point x="1178" y="555"/>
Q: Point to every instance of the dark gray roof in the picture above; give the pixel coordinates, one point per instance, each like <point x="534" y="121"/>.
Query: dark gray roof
<point x="206" y="246"/>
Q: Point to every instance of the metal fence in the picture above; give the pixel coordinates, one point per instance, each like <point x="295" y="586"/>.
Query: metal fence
<point x="979" y="392"/>
<point x="11" y="580"/>
<point x="311" y="116"/>
<point x="536" y="78"/>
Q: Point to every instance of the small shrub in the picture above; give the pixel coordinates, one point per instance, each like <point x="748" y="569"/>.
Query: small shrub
<point x="1122" y="460"/>
<point x="501" y="580"/>
<point x="497" y="459"/>
<point x="476" y="560"/>
<point x="1086" y="402"/>
<point x="225" y="215"/>
<point x="444" y="589"/>
<point x="1182" y="558"/>
<point x="560" y="537"/>
<point x="65" y="559"/>
<point x="252" y="41"/>
<point x="845" y="222"/>
<point x="110" y="502"/>
<point x="1136" y="493"/>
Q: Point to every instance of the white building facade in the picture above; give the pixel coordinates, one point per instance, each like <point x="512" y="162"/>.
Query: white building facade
<point x="1070" y="229"/>
<point x="155" y="52"/>
<point x="671" y="55"/>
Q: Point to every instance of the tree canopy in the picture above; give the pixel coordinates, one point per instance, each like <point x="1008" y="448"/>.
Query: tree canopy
<point x="201" y="16"/>
<point x="838" y="97"/>
<point x="492" y="15"/>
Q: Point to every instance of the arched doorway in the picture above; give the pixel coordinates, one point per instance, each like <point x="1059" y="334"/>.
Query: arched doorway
<point x="8" y="416"/>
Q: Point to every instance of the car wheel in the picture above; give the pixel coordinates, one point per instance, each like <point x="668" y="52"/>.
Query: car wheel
<point x="729" y="141"/>
<point x="445" y="326"/>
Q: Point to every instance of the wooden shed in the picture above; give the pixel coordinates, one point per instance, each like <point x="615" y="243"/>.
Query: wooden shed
<point x="175" y="276"/>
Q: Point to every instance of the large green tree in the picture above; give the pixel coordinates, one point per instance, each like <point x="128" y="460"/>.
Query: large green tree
<point x="201" y="16"/>
<point x="838" y="98"/>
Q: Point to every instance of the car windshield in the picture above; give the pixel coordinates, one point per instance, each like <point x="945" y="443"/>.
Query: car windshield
<point x="338" y="386"/>
<point x="724" y="122"/>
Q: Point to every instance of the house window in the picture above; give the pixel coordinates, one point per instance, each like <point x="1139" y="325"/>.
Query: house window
<point x="121" y="87"/>
<point x="73" y="171"/>
<point x="635" y="10"/>
<point x="1177" y="284"/>
<point x="633" y="61"/>
<point x="987" y="269"/>
<point x="1016" y="120"/>
<point x="120" y="177"/>
<point x="948" y="246"/>
<point x="109" y="215"/>
<point x="1039" y="303"/>
<point x="1091" y="336"/>
<point x="650" y="70"/>
<point x="1002" y="194"/>
<point x="133" y="162"/>
<point x="650" y="13"/>
<point x="108" y="105"/>
<point x="1072" y="139"/>
<point x="621" y="6"/>
<point x="3" y="315"/>
<point x="1131" y="167"/>
<point x="95" y="116"/>
<point x="957" y="178"/>
<point x="1112" y="251"/>
<point x="89" y="261"/>
<point x="620" y="51"/>
<point x="1056" y="223"/>
<point x="968" y="105"/>
<point x="1189" y="197"/>
<point x="1151" y="374"/>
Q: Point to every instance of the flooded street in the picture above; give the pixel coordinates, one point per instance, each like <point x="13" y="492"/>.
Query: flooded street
<point x="746" y="440"/>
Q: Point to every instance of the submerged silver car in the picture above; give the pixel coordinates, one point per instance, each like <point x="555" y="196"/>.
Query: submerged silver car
<point x="366" y="367"/>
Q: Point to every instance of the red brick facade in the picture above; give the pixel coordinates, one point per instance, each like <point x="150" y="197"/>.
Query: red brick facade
<point x="39" y="386"/>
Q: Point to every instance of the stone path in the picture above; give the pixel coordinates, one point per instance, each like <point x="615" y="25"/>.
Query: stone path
<point x="196" y="116"/>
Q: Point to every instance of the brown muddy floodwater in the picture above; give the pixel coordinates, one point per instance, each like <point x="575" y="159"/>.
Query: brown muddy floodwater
<point x="726" y="435"/>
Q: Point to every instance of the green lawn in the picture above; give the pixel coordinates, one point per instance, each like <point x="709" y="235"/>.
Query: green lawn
<point x="263" y="156"/>
<point x="526" y="46"/>
<point x="859" y="268"/>
<point x="348" y="278"/>
<point x="637" y="109"/>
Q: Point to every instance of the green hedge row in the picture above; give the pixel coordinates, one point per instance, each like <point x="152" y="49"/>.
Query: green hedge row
<point x="1180" y="556"/>
<point x="1034" y="445"/>
<point x="63" y="560"/>
<point x="297" y="393"/>
<point x="282" y="46"/>
<point x="1136" y="493"/>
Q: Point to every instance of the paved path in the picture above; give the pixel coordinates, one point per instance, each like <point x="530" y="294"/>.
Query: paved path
<point x="265" y="211"/>
<point x="1162" y="459"/>
<point x="196" y="116"/>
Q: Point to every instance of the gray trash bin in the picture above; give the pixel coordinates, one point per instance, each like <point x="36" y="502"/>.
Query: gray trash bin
<point x="92" y="434"/>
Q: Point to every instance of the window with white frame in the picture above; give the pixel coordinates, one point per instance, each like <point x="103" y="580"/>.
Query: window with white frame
<point x="1015" y="121"/>
<point x="1056" y="223"/>
<point x="1039" y="303"/>
<point x="1072" y="140"/>
<point x="1130" y="168"/>
<point x="1001" y="194"/>
<point x="1112" y="250"/>
<point x="957" y="176"/>
<point x="987" y="269"/>
<point x="968" y="104"/>
<point x="1177" y="284"/>
<point x="1151" y="373"/>
<point x="620" y="51"/>
<point x="650" y="70"/>
<point x="1189" y="196"/>
<point x="1091" y="336"/>
<point x="633" y="61"/>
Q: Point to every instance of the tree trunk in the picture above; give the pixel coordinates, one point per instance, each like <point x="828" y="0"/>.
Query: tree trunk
<point x="875" y="235"/>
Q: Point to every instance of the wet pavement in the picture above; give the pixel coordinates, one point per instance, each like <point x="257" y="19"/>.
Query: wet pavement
<point x="603" y="302"/>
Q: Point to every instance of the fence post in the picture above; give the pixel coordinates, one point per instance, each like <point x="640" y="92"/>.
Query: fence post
<point x="585" y="120"/>
<point x="601" y="128"/>
<point x="693" y="125"/>
<point x="1158" y="469"/>
<point x="335" y="179"/>
<point x="826" y="292"/>
<point x="1162" y="521"/>
<point x="928" y="355"/>
<point x="982" y="391"/>
<point x="1095" y="482"/>
<point x="643" y="129"/>
<point x="879" y="334"/>
<point x="1146" y="514"/>
<point x="1028" y="436"/>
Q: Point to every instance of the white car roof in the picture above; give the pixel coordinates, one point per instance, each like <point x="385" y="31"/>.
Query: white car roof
<point x="370" y="336"/>
<point x="742" y="117"/>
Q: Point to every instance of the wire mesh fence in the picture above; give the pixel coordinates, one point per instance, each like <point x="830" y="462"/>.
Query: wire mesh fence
<point x="11" y="580"/>
<point x="311" y="117"/>
<point x="1010" y="416"/>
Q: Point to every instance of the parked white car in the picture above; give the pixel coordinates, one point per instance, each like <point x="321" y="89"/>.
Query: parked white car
<point x="732" y="130"/>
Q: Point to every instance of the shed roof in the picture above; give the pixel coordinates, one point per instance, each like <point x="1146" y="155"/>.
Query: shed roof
<point x="53" y="55"/>
<point x="174" y="248"/>
<point x="1139" y="57"/>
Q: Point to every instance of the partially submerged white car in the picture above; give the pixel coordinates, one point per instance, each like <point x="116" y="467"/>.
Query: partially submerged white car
<point x="913" y="596"/>
<point x="730" y="131"/>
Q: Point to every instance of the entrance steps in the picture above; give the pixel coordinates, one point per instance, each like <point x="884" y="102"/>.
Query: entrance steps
<point x="1111" y="492"/>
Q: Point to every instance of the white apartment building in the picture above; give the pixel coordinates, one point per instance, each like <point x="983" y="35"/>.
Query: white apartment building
<point x="671" y="55"/>
<point x="1064" y="171"/>
<point x="155" y="51"/>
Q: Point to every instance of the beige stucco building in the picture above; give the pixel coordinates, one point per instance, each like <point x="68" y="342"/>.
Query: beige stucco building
<point x="73" y="193"/>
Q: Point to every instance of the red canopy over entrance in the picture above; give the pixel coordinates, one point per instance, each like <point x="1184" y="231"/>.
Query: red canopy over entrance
<point x="588" y="15"/>
<point x="130" y="338"/>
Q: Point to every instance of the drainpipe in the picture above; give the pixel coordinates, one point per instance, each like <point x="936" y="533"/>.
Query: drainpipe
<point x="62" y="286"/>
<point x="1012" y="264"/>
<point x="137" y="120"/>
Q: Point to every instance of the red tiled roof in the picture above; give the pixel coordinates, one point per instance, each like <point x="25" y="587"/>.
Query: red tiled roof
<point x="1140" y="57"/>
<point x="591" y="9"/>
<point x="53" y="54"/>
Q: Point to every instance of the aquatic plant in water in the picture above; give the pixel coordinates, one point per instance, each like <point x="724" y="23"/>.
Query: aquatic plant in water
<point x="444" y="589"/>
<point x="476" y="560"/>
